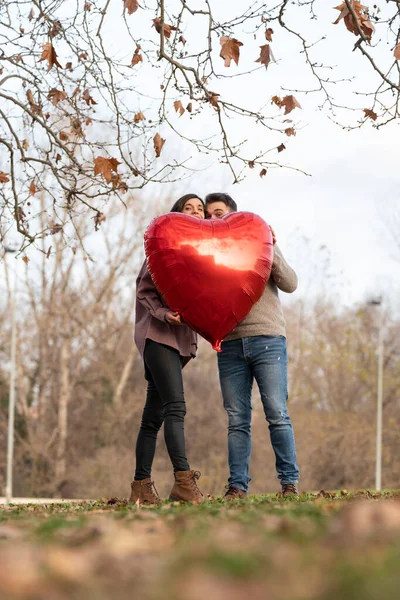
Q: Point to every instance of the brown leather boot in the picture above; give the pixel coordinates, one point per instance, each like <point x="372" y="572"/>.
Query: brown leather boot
<point x="185" y="487"/>
<point x="144" y="492"/>
<point x="234" y="493"/>
<point x="289" y="489"/>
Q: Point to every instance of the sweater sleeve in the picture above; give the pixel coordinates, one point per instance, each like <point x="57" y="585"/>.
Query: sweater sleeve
<point x="148" y="296"/>
<point x="282" y="274"/>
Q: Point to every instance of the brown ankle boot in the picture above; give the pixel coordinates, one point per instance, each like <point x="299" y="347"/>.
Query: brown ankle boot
<point x="289" y="489"/>
<point x="234" y="493"/>
<point x="144" y="492"/>
<point x="185" y="487"/>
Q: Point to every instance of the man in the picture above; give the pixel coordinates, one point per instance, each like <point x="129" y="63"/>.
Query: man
<point x="257" y="349"/>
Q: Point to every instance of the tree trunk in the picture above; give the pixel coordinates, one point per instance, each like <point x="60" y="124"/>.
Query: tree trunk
<point x="64" y="397"/>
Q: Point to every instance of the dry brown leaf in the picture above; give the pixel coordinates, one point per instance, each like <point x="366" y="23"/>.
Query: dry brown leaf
<point x="56" y="228"/>
<point x="4" y="178"/>
<point x="167" y="28"/>
<point x="25" y="144"/>
<point x="131" y="6"/>
<point x="31" y="15"/>
<point x="99" y="217"/>
<point x="265" y="55"/>
<point x="64" y="137"/>
<point x="362" y="18"/>
<point x="189" y="107"/>
<point x="105" y="166"/>
<point x="76" y="127"/>
<point x="50" y="55"/>
<point x="25" y="259"/>
<point x="276" y="100"/>
<point x="213" y="99"/>
<point x="58" y="158"/>
<point x="48" y="252"/>
<point x="268" y="34"/>
<point x="158" y="144"/>
<point x="88" y="121"/>
<point x="290" y="103"/>
<point x="68" y="66"/>
<point x="182" y="40"/>
<point x="263" y="172"/>
<point x="251" y="164"/>
<point x="137" y="57"/>
<point x="139" y="117"/>
<point x="32" y="188"/>
<point x="56" y="29"/>
<point x="178" y="107"/>
<point x="56" y="96"/>
<point x="118" y="184"/>
<point x="370" y="114"/>
<point x="88" y="98"/>
<point x="230" y="50"/>
<point x="396" y="52"/>
<point x="35" y="108"/>
<point x="290" y="131"/>
<point x="281" y="147"/>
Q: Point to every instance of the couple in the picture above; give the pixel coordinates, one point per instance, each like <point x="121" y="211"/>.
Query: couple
<point x="255" y="349"/>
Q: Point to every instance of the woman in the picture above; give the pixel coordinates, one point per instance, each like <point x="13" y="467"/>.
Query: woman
<point x="166" y="345"/>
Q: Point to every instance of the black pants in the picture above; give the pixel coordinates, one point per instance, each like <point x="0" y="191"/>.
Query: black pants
<point x="165" y="403"/>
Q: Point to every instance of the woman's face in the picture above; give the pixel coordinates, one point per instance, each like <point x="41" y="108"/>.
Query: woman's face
<point x="194" y="207"/>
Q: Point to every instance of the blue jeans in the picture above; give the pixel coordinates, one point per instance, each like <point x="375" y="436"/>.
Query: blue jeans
<point x="264" y="358"/>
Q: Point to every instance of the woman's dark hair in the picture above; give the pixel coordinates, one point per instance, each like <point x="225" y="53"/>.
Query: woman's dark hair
<point x="180" y="204"/>
<point x="220" y="197"/>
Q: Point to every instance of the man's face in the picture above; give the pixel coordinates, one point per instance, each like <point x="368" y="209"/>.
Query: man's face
<point x="216" y="210"/>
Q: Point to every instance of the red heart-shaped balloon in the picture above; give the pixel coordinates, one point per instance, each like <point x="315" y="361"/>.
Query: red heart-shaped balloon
<point x="210" y="271"/>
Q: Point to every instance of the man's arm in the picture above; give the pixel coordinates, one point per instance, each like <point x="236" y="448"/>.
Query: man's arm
<point x="284" y="276"/>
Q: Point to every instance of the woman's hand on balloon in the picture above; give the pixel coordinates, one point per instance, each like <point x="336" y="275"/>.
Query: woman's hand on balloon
<point x="173" y="318"/>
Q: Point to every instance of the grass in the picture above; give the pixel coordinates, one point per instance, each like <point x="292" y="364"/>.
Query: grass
<point x="323" y="546"/>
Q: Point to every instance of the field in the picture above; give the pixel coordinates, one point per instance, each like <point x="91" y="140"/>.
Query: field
<point x="323" y="546"/>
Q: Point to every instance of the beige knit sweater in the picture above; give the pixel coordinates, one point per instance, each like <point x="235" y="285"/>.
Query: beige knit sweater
<point x="266" y="316"/>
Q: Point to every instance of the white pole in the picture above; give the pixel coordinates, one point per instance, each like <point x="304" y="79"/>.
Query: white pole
<point x="11" y="402"/>
<point x="378" y="466"/>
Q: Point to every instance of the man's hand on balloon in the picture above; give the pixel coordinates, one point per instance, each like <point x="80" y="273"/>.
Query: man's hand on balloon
<point x="273" y="235"/>
<point x="173" y="318"/>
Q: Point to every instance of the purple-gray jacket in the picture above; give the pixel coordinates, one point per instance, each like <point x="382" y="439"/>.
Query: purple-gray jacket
<point x="150" y="320"/>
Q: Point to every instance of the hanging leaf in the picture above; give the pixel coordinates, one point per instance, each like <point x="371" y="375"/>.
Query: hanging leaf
<point x="268" y="34"/>
<point x="105" y="166"/>
<point x="265" y="55"/>
<point x="50" y="55"/>
<point x="189" y="107"/>
<point x="370" y="114"/>
<point x="178" y="107"/>
<point x="139" y="117"/>
<point x="290" y="103"/>
<point x="396" y="52"/>
<point x="182" y="40"/>
<point x="32" y="188"/>
<point x="137" y="57"/>
<point x="4" y="178"/>
<point x="131" y="6"/>
<point x="158" y="144"/>
<point x="167" y="28"/>
<point x="88" y="98"/>
<point x="263" y="172"/>
<point x="213" y="99"/>
<point x="281" y="147"/>
<point x="230" y="50"/>
<point x="56" y="96"/>
<point x="290" y="131"/>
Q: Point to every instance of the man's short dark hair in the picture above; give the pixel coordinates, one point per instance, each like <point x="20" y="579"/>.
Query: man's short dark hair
<point x="220" y="197"/>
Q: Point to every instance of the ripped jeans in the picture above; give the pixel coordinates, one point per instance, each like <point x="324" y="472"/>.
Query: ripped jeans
<point x="265" y="359"/>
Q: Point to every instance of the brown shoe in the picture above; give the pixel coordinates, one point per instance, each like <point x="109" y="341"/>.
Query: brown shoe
<point x="289" y="489"/>
<point x="144" y="492"/>
<point x="185" y="488"/>
<point x="234" y="493"/>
